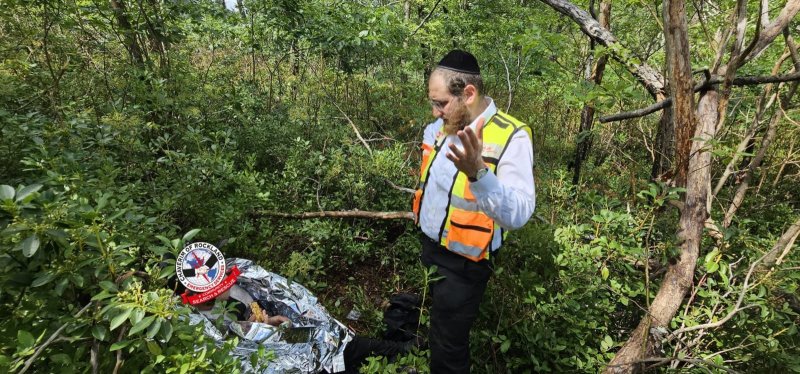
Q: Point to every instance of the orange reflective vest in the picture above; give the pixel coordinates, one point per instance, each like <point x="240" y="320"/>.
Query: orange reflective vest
<point x="466" y="230"/>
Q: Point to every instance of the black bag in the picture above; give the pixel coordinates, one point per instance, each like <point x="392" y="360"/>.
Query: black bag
<point x="402" y="317"/>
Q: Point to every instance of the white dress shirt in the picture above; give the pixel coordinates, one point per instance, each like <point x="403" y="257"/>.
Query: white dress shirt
<point x="509" y="197"/>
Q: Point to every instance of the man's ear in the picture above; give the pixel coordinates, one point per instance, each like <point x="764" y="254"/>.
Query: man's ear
<point x="470" y="93"/>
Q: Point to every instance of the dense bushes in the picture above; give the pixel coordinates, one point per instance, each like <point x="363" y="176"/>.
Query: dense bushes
<point x="110" y="160"/>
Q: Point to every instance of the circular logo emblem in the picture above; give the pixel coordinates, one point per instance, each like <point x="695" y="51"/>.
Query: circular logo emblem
<point x="200" y="267"/>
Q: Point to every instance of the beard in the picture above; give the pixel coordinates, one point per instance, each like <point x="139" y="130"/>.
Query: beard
<point x="457" y="119"/>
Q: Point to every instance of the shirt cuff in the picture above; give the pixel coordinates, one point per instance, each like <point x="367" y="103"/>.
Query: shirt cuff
<point x="485" y="185"/>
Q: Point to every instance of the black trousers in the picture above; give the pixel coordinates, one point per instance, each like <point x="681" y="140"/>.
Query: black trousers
<point x="455" y="298"/>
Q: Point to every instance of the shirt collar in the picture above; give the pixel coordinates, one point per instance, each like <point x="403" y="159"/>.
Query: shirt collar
<point x="487" y="113"/>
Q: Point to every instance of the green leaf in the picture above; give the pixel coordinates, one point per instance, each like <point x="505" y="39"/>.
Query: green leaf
<point x="604" y="272"/>
<point x="712" y="261"/>
<point x="153" y="329"/>
<point x="120" y="319"/>
<point x="6" y="192"/>
<point x="185" y="368"/>
<point x="164" y="240"/>
<point x="711" y="255"/>
<point x="61" y="359"/>
<point x="102" y="295"/>
<point x="119" y="345"/>
<point x="505" y="346"/>
<point x="153" y="347"/>
<point x="43" y="279"/>
<point x="30" y="245"/>
<point x="166" y="331"/>
<point x="166" y="272"/>
<point x="189" y="235"/>
<point x="137" y="315"/>
<point x="25" y="339"/>
<point x="25" y="192"/>
<point x="109" y="286"/>
<point x="141" y="325"/>
<point x="99" y="332"/>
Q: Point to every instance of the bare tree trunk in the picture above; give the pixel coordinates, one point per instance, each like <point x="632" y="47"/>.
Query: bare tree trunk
<point x="679" y="277"/>
<point x="584" y="142"/>
<point x="682" y="88"/>
<point x="693" y="170"/>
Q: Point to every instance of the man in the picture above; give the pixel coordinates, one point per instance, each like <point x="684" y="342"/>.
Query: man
<point x="266" y="309"/>
<point x="476" y="183"/>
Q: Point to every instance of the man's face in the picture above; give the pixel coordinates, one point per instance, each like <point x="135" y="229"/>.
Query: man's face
<point x="451" y="109"/>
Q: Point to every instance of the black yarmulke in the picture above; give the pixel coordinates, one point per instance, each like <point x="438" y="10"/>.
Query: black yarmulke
<point x="460" y="61"/>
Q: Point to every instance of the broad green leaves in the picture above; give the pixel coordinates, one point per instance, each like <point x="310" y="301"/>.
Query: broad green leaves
<point x="30" y="245"/>
<point x="6" y="192"/>
<point x="120" y="318"/>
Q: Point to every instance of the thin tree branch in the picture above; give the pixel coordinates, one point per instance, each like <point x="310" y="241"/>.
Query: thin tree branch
<point x="652" y="108"/>
<point x="740" y="81"/>
<point x="662" y="361"/>
<point x="426" y="18"/>
<point x="508" y="81"/>
<point x="399" y="188"/>
<point x="353" y="125"/>
<point x="50" y="340"/>
<point x="780" y="245"/>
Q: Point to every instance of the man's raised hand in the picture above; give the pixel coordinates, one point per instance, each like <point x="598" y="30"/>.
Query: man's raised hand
<point x="469" y="160"/>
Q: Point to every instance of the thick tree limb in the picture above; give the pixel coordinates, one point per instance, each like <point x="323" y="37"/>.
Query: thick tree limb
<point x="783" y="244"/>
<point x="649" y="77"/>
<point x="770" y="31"/>
<point x="341" y="214"/>
<point x="740" y="81"/>
<point x="694" y="361"/>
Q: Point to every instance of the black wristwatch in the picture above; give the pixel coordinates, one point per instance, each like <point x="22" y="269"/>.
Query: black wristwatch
<point x="480" y="174"/>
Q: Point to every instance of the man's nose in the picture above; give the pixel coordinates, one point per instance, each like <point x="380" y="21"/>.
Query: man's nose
<point x="436" y="112"/>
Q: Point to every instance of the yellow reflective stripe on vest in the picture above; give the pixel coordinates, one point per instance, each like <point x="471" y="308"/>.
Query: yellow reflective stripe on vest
<point x="428" y="155"/>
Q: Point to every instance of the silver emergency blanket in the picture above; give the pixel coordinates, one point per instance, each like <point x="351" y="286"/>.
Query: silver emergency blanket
<point x="319" y="339"/>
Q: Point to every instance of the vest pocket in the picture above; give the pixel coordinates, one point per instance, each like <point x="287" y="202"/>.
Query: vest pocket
<point x="470" y="233"/>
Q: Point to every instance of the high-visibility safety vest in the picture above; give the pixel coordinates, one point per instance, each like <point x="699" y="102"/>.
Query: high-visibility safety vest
<point x="466" y="230"/>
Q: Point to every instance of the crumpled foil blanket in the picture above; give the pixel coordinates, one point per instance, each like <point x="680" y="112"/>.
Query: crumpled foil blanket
<point x="327" y="337"/>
